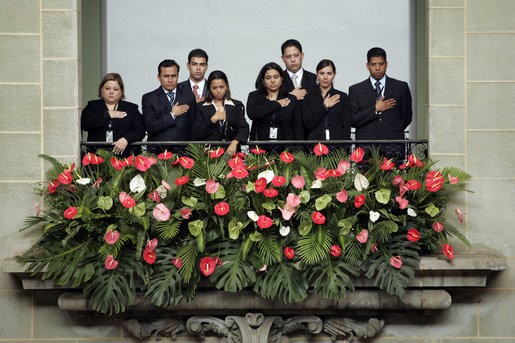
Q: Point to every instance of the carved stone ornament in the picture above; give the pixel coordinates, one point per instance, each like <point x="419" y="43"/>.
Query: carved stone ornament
<point x="256" y="328"/>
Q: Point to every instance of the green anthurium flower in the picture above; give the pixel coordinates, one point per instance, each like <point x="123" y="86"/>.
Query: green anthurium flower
<point x="105" y="203"/>
<point x="322" y="202"/>
<point x="383" y="195"/>
<point x="195" y="227"/>
<point x="432" y="210"/>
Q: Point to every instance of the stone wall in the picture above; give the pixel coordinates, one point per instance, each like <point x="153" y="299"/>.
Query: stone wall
<point x="471" y="82"/>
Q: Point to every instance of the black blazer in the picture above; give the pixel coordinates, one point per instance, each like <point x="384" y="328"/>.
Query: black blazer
<point x="309" y="81"/>
<point x="160" y="124"/>
<point x="389" y="124"/>
<point x="235" y="125"/>
<point x="187" y="87"/>
<point x="317" y="118"/>
<point x="261" y="111"/>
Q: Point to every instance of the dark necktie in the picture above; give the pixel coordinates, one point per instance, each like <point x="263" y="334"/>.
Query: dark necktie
<point x="378" y="90"/>
<point x="171" y="97"/>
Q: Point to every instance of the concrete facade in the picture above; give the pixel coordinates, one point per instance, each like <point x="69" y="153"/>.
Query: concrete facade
<point x="471" y="82"/>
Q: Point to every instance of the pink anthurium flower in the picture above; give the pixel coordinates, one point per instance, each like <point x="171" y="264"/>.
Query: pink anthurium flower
<point x="342" y="196"/>
<point x="438" y="226"/>
<point x="343" y="166"/>
<point x="396" y="261"/>
<point x="212" y="186"/>
<point x="110" y="262"/>
<point x="362" y="237"/>
<point x="403" y="202"/>
<point x="154" y="196"/>
<point x="185" y="213"/>
<point x="288" y="209"/>
<point x="151" y="244"/>
<point x="161" y="212"/>
<point x="398" y="180"/>
<point x="453" y="179"/>
<point x="298" y="181"/>
<point x="111" y="237"/>
<point x="460" y="214"/>
<point x="320" y="174"/>
<point x="166" y="185"/>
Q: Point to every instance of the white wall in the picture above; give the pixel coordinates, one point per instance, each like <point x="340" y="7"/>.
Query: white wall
<point x="240" y="36"/>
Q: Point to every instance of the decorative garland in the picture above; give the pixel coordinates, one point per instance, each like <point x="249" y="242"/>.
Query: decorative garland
<point x="277" y="224"/>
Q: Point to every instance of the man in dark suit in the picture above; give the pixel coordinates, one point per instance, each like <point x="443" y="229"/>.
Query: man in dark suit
<point x="381" y="105"/>
<point x="197" y="66"/>
<point x="297" y="81"/>
<point x="168" y="110"/>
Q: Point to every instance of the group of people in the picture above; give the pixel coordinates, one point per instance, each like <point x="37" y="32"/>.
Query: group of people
<point x="290" y="104"/>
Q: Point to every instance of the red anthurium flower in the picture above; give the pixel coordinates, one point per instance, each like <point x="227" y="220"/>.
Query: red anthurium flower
<point x="334" y="173"/>
<point x="278" y="180"/>
<point x="398" y="180"/>
<point x="177" y="262"/>
<point x="448" y="251"/>
<point x="289" y="253"/>
<point x="403" y="202"/>
<point x="70" y="212"/>
<point x="185" y="213"/>
<point x="357" y="155"/>
<point x="111" y="236"/>
<point x="142" y="163"/>
<point x="343" y="166"/>
<point x="152" y="160"/>
<point x="286" y="157"/>
<point x="207" y="265"/>
<point x="235" y="162"/>
<point x="126" y="200"/>
<point x="117" y="164"/>
<point x="65" y="177"/>
<point x="161" y="212"/>
<point x="149" y="256"/>
<point x="342" y="196"/>
<point x="438" y="226"/>
<point x="212" y="186"/>
<point x="460" y="214"/>
<point x="182" y="180"/>
<point x="110" y="262"/>
<point x="165" y="155"/>
<point x="403" y="166"/>
<point x="154" y="196"/>
<point x="260" y="185"/>
<point x="359" y="200"/>
<point x="217" y="153"/>
<point x="97" y="183"/>
<point x="218" y="261"/>
<point x="413" y="235"/>
<point x="129" y="161"/>
<point x="71" y="188"/>
<point x="434" y="181"/>
<point x="320" y="173"/>
<point x="320" y="149"/>
<point x="387" y="164"/>
<point x="264" y="222"/>
<point x="270" y="192"/>
<point x="151" y="244"/>
<point x="453" y="179"/>
<point x="362" y="237"/>
<point x="241" y="155"/>
<point x="336" y="250"/>
<point x="318" y="217"/>
<point x="91" y="158"/>
<point x="239" y="173"/>
<point x="52" y="186"/>
<point x="186" y="162"/>
<point x="413" y="184"/>
<point x="414" y="162"/>
<point x="403" y="189"/>
<point x="373" y="248"/>
<point x="396" y="261"/>
<point x="257" y="150"/>
<point x="222" y="208"/>
<point x="298" y="182"/>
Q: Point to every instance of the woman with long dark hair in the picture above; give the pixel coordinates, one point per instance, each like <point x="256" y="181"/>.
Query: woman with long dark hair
<point x="220" y="117"/>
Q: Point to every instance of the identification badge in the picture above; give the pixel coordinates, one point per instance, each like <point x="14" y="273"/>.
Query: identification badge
<point x="109" y="136"/>
<point x="273" y="133"/>
<point x="327" y="136"/>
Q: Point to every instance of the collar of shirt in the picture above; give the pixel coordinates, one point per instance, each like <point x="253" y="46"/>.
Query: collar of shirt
<point x="299" y="74"/>
<point x="200" y="85"/>
<point x="382" y="81"/>
<point x="226" y="102"/>
<point x="174" y="91"/>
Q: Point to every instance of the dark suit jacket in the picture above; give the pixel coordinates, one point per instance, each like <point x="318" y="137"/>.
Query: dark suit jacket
<point x="389" y="124"/>
<point x="187" y="87"/>
<point x="317" y="118"/>
<point x="261" y="111"/>
<point x="160" y="124"/>
<point x="309" y="81"/>
<point x="235" y="126"/>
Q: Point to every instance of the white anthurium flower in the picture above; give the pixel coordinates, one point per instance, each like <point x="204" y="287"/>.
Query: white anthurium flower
<point x="83" y="181"/>
<point x="162" y="191"/>
<point x="199" y="182"/>
<point x="137" y="184"/>
<point x="412" y="212"/>
<point x="267" y="174"/>
<point x="374" y="216"/>
<point x="360" y="182"/>
<point x="284" y="230"/>
<point x="316" y="184"/>
<point x="253" y="215"/>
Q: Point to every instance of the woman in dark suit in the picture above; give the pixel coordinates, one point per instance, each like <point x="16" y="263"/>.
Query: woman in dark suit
<point x="326" y="112"/>
<point x="221" y="118"/>
<point x="271" y="109"/>
<point x="111" y="119"/>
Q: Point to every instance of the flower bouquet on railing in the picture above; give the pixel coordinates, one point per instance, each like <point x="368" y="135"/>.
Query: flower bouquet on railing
<point x="275" y="224"/>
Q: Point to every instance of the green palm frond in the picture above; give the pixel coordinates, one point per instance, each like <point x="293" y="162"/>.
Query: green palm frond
<point x="165" y="287"/>
<point x="168" y="229"/>
<point x="269" y="248"/>
<point x="331" y="278"/>
<point x="283" y="282"/>
<point x="188" y="255"/>
<point x="311" y="249"/>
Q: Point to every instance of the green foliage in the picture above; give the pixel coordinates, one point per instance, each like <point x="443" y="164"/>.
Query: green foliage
<point x="269" y="248"/>
<point x="311" y="250"/>
<point x="283" y="282"/>
<point x="165" y="287"/>
<point x="331" y="278"/>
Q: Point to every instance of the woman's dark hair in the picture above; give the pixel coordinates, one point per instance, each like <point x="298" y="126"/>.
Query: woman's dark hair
<point x="217" y="75"/>
<point x="325" y="63"/>
<point x="260" y="83"/>
<point x="112" y="77"/>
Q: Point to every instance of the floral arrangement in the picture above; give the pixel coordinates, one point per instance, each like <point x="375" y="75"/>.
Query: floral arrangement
<point x="278" y="224"/>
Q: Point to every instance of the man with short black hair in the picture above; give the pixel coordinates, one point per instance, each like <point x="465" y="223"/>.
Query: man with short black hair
<point x="168" y="110"/>
<point x="197" y="66"/>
